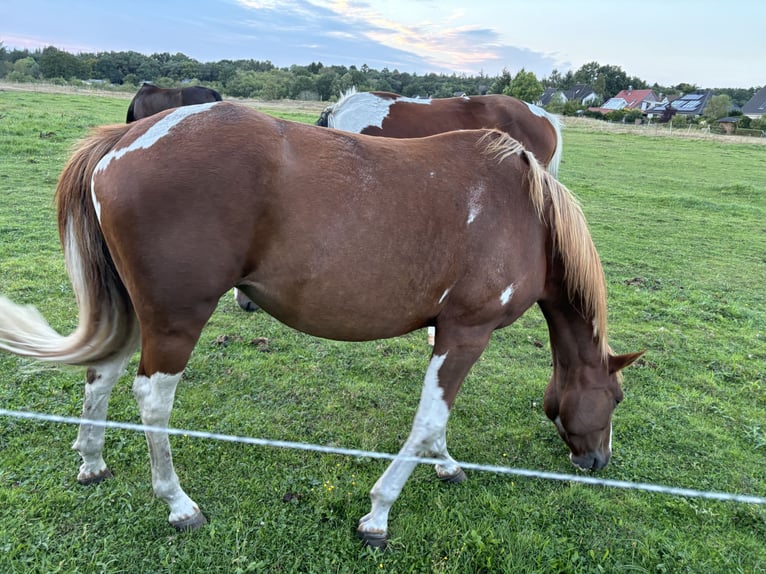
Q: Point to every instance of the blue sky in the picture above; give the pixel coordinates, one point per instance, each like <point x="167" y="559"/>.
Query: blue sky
<point x="699" y="42"/>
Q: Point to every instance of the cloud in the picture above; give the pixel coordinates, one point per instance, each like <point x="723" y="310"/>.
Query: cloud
<point x="443" y="44"/>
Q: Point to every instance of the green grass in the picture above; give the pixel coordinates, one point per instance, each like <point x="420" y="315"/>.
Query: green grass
<point x="680" y="228"/>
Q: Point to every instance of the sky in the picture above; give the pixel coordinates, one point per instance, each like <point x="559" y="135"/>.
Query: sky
<point x="700" y="42"/>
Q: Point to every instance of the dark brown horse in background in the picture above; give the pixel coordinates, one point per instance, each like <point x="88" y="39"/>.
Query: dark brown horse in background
<point x="151" y="99"/>
<point x="338" y="235"/>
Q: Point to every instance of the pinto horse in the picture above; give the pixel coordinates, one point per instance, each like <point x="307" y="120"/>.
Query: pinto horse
<point x="463" y="230"/>
<point x="395" y="116"/>
<point x="151" y="99"/>
<point x="392" y="115"/>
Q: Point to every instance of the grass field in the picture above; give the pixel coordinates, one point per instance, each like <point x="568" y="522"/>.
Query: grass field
<point x="681" y="228"/>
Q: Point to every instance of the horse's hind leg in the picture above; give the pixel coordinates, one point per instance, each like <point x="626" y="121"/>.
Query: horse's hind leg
<point x="99" y="382"/>
<point x="449" y="470"/>
<point x="164" y="354"/>
<point x="155" y="395"/>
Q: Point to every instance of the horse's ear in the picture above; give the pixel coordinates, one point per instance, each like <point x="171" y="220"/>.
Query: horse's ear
<point x="619" y="362"/>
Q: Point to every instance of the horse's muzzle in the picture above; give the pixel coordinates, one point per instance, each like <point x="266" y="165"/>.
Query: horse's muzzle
<point x="591" y="461"/>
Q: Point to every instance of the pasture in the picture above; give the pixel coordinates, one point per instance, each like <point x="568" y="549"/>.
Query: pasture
<point x="680" y="225"/>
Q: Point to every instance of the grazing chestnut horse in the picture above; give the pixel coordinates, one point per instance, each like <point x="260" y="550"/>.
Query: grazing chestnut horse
<point x="150" y="99"/>
<point x="391" y="115"/>
<point x="338" y="235"/>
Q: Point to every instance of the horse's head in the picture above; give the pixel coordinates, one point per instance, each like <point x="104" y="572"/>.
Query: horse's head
<point x="580" y="402"/>
<point x="324" y="116"/>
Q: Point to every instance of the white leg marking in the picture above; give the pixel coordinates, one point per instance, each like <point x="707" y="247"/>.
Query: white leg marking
<point x="90" y="438"/>
<point x="155" y="397"/>
<point x="506" y="295"/>
<point x="426" y="436"/>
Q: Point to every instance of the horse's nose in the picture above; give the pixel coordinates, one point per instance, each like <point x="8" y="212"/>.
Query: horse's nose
<point x="591" y="461"/>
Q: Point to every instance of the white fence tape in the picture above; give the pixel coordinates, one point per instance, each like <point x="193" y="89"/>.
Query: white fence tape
<point x="583" y="479"/>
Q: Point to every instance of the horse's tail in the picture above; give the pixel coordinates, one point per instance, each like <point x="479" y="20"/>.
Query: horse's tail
<point x="107" y="321"/>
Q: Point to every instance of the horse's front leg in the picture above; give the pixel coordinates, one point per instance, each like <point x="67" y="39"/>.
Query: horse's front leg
<point x="443" y="378"/>
<point x="99" y="382"/>
<point x="155" y="395"/>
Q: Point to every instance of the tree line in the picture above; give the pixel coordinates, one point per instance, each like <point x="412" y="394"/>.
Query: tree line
<point x="249" y="78"/>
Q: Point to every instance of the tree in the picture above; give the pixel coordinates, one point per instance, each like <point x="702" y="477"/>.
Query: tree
<point x="501" y="83"/>
<point x="25" y="69"/>
<point x="718" y="107"/>
<point x="525" y="86"/>
<point x="55" y="63"/>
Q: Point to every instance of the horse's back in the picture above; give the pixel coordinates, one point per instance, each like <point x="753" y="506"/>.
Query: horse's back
<point x="316" y="225"/>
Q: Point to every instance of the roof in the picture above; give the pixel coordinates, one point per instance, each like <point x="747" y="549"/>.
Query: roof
<point x="692" y="104"/>
<point x="627" y="100"/>
<point x="634" y="98"/>
<point x="579" y="92"/>
<point x="756" y="106"/>
<point x="547" y="96"/>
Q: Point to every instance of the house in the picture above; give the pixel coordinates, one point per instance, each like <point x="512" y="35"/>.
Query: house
<point x="692" y="104"/>
<point x="755" y="108"/>
<point x="549" y="95"/>
<point x="629" y="99"/>
<point x="580" y="93"/>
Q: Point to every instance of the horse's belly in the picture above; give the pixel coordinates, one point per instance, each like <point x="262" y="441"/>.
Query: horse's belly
<point x="362" y="316"/>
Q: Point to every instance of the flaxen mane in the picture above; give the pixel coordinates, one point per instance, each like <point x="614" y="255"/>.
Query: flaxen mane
<point x="557" y="206"/>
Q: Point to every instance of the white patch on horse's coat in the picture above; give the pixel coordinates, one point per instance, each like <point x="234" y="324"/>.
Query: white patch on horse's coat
<point x="145" y="141"/>
<point x="96" y="202"/>
<point x="356" y="111"/>
<point x="444" y="295"/>
<point x="610" y="437"/>
<point x="475" y="202"/>
<point x="506" y="295"/>
<point x="154" y="133"/>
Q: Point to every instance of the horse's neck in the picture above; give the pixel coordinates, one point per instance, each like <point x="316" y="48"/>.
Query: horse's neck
<point x="573" y="337"/>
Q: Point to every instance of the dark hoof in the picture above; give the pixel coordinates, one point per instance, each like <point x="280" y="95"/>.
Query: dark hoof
<point x="194" y="522"/>
<point x="373" y="539"/>
<point x="95" y="477"/>
<point x="456" y="478"/>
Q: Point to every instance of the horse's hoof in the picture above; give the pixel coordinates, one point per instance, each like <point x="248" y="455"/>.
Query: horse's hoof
<point x="456" y="478"/>
<point x="195" y="521"/>
<point x="94" y="477"/>
<point x="375" y="540"/>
